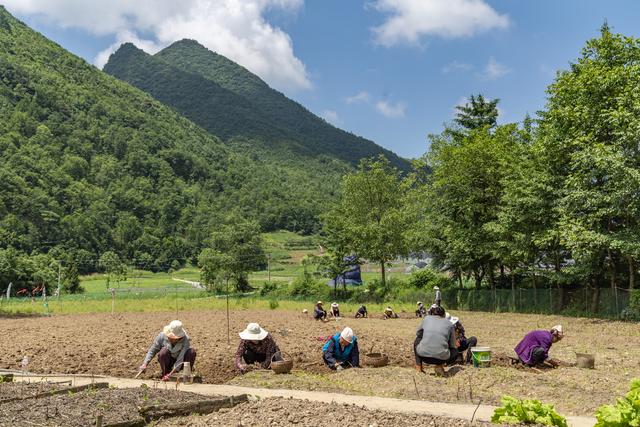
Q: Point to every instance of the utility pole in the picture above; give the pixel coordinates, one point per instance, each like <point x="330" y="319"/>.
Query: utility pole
<point x="269" y="267"/>
<point x="59" y="274"/>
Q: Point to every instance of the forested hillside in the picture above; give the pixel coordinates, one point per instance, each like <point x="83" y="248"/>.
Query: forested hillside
<point x="90" y="164"/>
<point x="231" y="102"/>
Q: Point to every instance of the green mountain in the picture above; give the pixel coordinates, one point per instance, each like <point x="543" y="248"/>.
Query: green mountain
<point x="89" y="163"/>
<point x="232" y="103"/>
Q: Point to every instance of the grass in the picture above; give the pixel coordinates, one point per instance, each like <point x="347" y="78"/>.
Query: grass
<point x="184" y="301"/>
<point x="141" y="279"/>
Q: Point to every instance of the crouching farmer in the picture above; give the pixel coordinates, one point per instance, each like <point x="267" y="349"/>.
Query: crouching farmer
<point x="534" y="347"/>
<point x="173" y="347"/>
<point x="341" y="351"/>
<point x="435" y="342"/>
<point x="256" y="346"/>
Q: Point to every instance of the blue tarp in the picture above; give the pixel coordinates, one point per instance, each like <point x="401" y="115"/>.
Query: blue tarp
<point x="350" y="275"/>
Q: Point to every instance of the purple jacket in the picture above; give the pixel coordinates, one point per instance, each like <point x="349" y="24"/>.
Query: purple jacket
<point x="532" y="340"/>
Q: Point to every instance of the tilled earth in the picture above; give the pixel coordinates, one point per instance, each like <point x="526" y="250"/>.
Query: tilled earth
<point x="116" y="345"/>
<point x="286" y="412"/>
<point x="82" y="408"/>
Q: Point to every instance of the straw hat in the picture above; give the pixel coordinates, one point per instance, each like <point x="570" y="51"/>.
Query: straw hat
<point x="174" y="329"/>
<point x="419" y="302"/>
<point x="319" y="303"/>
<point x="334" y="305"/>
<point x="253" y="332"/>
<point x="347" y="335"/>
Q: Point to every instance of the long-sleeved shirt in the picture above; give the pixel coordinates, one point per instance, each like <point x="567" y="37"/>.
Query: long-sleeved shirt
<point x="532" y="340"/>
<point x="437" y="338"/>
<point x="333" y="353"/>
<point x="267" y="346"/>
<point x="177" y="350"/>
<point x="319" y="312"/>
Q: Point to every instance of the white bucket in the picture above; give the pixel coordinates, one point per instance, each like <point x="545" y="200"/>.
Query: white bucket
<point x="481" y="356"/>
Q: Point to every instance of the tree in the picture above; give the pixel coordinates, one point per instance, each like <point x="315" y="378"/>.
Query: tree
<point x="113" y="268"/>
<point x="589" y="132"/>
<point x="461" y="199"/>
<point x="369" y="220"/>
<point x="477" y="113"/>
<point x="234" y="250"/>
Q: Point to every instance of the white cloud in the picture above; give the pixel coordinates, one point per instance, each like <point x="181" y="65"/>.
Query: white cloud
<point x="494" y="70"/>
<point x="361" y="97"/>
<point x="410" y="20"/>
<point x="331" y="116"/>
<point x="236" y="29"/>
<point x="456" y="66"/>
<point x="391" y="110"/>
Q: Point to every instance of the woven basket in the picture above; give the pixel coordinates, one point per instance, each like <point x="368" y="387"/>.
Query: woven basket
<point x="377" y="360"/>
<point x="282" y="366"/>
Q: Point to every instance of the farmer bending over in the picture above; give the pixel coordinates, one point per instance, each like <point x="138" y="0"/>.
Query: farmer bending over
<point x="173" y="348"/>
<point x="534" y="347"/>
<point x="462" y="342"/>
<point x="362" y="312"/>
<point x="435" y="342"/>
<point x="335" y="309"/>
<point x="319" y="313"/>
<point x="389" y="313"/>
<point x="422" y="310"/>
<point x="256" y="345"/>
<point x="341" y="351"/>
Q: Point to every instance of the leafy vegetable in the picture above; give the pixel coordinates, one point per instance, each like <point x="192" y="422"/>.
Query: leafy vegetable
<point x="516" y="411"/>
<point x="626" y="411"/>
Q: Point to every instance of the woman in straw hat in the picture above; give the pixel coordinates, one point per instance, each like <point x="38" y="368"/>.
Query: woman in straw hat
<point x="173" y="347"/>
<point x="319" y="313"/>
<point x="256" y="345"/>
<point x="335" y="309"/>
<point x="341" y="351"/>
<point x="534" y="347"/>
<point x="462" y="342"/>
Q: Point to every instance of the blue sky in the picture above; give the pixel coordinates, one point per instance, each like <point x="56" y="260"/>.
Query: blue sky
<point x="389" y="70"/>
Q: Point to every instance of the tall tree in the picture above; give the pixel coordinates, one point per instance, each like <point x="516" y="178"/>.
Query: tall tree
<point x="234" y="249"/>
<point x="478" y="112"/>
<point x="370" y="220"/>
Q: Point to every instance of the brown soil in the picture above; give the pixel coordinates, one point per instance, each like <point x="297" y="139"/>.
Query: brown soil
<point x="82" y="408"/>
<point x="116" y="345"/>
<point x="10" y="390"/>
<point x="286" y="412"/>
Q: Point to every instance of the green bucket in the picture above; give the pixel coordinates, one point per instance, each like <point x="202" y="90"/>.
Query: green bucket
<point x="481" y="357"/>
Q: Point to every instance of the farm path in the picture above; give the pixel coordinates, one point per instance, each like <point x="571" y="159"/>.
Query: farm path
<point x="450" y="410"/>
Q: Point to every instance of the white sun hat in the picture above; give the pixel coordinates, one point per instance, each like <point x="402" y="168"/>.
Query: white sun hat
<point x="174" y="329"/>
<point x="334" y="304"/>
<point x="559" y="329"/>
<point x="347" y="334"/>
<point x="450" y="318"/>
<point x="253" y="332"/>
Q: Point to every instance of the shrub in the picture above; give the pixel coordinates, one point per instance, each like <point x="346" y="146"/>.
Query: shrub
<point x="427" y="278"/>
<point x="633" y="311"/>
<point x="268" y="288"/>
<point x="273" y="304"/>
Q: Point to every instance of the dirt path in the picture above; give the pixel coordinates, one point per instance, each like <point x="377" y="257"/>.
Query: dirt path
<point x="439" y="409"/>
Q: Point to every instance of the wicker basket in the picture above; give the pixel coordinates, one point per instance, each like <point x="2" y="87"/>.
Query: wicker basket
<point x="377" y="360"/>
<point x="282" y="366"/>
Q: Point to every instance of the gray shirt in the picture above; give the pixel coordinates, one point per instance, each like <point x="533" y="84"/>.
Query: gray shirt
<point x="176" y="351"/>
<point x="437" y="338"/>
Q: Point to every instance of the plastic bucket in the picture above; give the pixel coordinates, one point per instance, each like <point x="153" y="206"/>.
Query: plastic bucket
<point x="481" y="357"/>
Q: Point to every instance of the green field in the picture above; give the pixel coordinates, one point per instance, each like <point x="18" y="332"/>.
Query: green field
<point x="96" y="283"/>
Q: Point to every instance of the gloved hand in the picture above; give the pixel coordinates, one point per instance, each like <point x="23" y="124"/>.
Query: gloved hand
<point x="166" y="377"/>
<point x="339" y="368"/>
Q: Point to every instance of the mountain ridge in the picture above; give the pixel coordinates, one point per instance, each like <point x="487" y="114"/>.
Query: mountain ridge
<point x="288" y="122"/>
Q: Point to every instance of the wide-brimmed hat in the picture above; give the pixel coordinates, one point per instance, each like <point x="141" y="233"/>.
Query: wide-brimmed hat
<point x="174" y="329"/>
<point x="347" y="334"/>
<point x="450" y="318"/>
<point x="319" y="303"/>
<point x="253" y="332"/>
<point x="419" y="302"/>
<point x="334" y="304"/>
